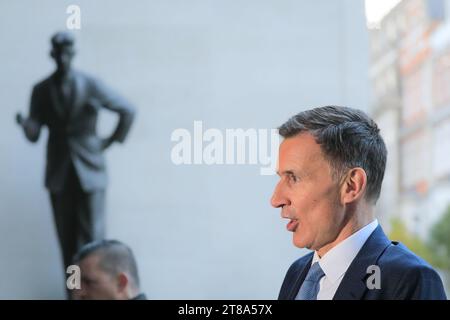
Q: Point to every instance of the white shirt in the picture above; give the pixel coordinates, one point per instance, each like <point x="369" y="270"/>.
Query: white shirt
<point x="336" y="261"/>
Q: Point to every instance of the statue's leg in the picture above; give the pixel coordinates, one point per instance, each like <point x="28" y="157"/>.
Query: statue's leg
<point x="91" y="217"/>
<point x="64" y="213"/>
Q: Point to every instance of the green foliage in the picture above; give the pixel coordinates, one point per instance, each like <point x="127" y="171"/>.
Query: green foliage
<point x="400" y="233"/>
<point x="437" y="250"/>
<point x="440" y="241"/>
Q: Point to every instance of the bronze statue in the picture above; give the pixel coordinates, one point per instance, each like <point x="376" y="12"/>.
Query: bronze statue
<point x="68" y="103"/>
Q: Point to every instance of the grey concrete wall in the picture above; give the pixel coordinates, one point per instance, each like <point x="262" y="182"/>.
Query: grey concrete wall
<point x="198" y="231"/>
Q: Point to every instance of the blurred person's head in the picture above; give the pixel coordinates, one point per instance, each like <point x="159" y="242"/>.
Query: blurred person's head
<point x="63" y="51"/>
<point x="331" y="166"/>
<point x="108" y="271"/>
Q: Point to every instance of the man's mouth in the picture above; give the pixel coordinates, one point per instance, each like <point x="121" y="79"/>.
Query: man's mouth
<point x="292" y="225"/>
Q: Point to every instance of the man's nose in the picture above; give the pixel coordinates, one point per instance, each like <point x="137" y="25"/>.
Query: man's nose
<point x="278" y="199"/>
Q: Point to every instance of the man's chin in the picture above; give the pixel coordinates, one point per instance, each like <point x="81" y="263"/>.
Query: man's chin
<point x="299" y="243"/>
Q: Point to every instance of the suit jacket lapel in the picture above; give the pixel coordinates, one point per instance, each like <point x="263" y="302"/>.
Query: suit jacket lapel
<point x="78" y="90"/>
<point x="301" y="275"/>
<point x="56" y="101"/>
<point x="353" y="285"/>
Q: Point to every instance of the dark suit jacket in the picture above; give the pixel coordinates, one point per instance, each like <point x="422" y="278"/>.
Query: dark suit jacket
<point x="72" y="129"/>
<point x="403" y="274"/>
<point x="140" y="296"/>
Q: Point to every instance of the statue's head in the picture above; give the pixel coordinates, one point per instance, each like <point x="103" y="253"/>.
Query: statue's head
<point x="63" y="50"/>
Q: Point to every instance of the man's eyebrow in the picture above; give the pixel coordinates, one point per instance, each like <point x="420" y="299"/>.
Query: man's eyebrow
<point x="285" y="172"/>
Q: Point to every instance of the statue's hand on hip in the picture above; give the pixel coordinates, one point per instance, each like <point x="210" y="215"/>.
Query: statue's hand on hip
<point x="106" y="143"/>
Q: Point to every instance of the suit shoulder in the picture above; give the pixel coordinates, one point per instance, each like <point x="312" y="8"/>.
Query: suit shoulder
<point x="399" y="256"/>
<point x="43" y="83"/>
<point x="409" y="273"/>
<point x="92" y="82"/>
<point x="84" y="76"/>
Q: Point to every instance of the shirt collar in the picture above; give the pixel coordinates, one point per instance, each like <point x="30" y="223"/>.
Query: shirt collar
<point x="336" y="261"/>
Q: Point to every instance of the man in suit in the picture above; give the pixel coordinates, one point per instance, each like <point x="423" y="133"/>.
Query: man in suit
<point x="108" y="272"/>
<point x="68" y="103"/>
<point x="331" y="166"/>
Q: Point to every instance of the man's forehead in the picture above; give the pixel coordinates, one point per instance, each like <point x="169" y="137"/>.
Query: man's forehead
<point x="90" y="261"/>
<point x="300" y="148"/>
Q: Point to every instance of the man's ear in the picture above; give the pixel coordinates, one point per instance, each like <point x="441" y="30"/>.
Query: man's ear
<point x="353" y="186"/>
<point x="122" y="280"/>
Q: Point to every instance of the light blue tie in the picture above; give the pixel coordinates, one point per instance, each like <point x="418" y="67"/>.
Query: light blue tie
<point x="310" y="287"/>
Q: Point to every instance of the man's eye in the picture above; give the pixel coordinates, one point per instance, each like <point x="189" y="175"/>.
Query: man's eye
<point x="292" y="178"/>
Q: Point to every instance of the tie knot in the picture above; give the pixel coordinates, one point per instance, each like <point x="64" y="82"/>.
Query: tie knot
<point x="315" y="273"/>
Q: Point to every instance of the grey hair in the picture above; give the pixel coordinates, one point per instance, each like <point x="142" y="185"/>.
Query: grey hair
<point x="348" y="138"/>
<point x="115" y="257"/>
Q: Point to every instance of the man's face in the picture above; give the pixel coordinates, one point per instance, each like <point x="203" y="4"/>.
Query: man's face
<point x="96" y="284"/>
<point x="307" y="194"/>
<point x="63" y="57"/>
